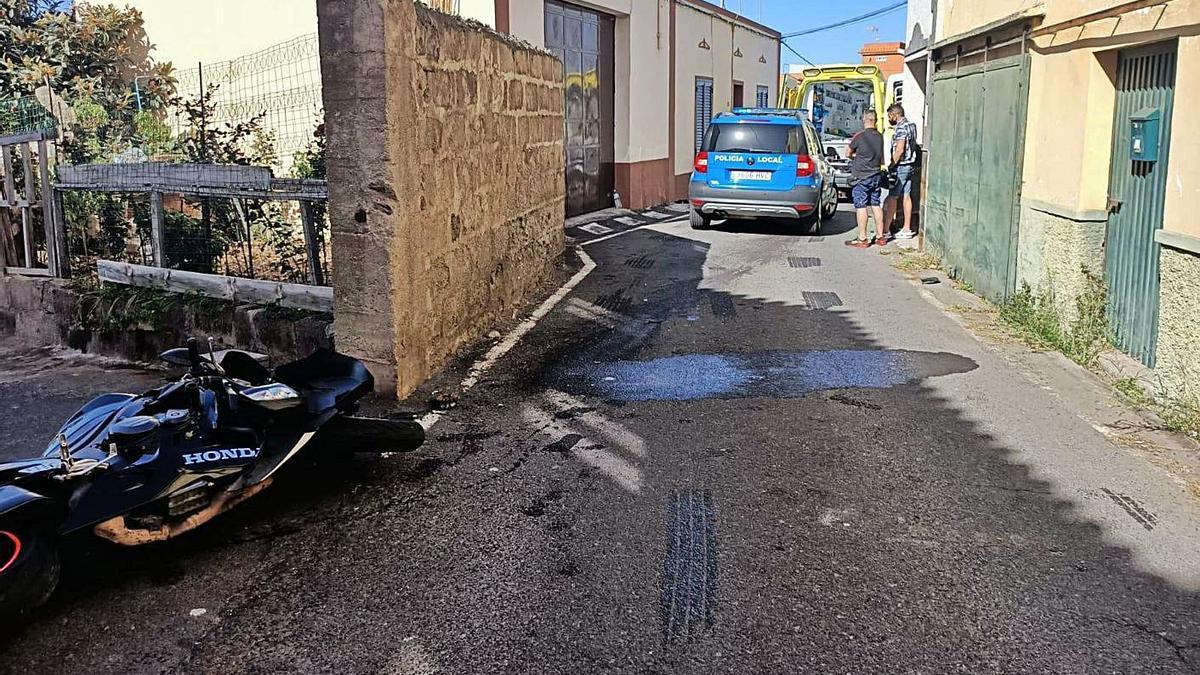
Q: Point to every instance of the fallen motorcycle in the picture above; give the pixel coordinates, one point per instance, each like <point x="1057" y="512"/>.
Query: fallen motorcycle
<point x="138" y="469"/>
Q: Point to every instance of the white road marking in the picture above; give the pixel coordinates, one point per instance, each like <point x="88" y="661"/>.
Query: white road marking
<point x="504" y="346"/>
<point x="655" y="215"/>
<point x="626" y="220"/>
<point x="595" y="228"/>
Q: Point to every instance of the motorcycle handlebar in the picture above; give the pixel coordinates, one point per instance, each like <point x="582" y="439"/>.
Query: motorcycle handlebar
<point x="193" y="348"/>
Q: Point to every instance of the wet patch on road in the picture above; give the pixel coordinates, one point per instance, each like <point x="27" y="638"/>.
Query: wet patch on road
<point x="774" y="374"/>
<point x="688" y="599"/>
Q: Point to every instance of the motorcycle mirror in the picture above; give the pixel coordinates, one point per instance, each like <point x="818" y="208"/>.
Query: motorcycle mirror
<point x="176" y="357"/>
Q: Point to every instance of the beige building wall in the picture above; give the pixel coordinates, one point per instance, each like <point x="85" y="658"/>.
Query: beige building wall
<point x="653" y="117"/>
<point x="187" y="33"/>
<point x="696" y="25"/>
<point x="1068" y="155"/>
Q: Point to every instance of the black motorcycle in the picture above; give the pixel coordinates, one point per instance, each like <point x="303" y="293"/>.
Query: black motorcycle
<point x="139" y="469"/>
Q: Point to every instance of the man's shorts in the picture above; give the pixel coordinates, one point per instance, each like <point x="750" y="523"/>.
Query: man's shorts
<point x="903" y="183"/>
<point x="867" y="191"/>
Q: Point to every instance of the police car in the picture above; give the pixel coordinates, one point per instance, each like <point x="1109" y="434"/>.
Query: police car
<point x="762" y="163"/>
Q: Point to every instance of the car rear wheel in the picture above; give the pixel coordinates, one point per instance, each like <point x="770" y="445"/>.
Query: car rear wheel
<point x="699" y="220"/>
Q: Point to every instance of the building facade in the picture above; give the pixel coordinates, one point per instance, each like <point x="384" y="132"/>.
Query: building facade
<point x="888" y="56"/>
<point x="919" y="29"/>
<point x="1057" y="158"/>
<point x="644" y="78"/>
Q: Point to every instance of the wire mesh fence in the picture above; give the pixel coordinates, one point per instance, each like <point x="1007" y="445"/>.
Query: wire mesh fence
<point x="255" y="239"/>
<point x="260" y="110"/>
<point x="25" y="115"/>
<point x="276" y="90"/>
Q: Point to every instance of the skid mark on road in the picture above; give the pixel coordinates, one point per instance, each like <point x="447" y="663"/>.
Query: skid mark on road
<point x="688" y="599"/>
<point x="1135" y="510"/>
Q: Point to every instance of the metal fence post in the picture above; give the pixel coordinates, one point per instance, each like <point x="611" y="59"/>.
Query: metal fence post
<point x="311" y="245"/>
<point x="27" y="183"/>
<point x="53" y="256"/>
<point x="60" y="232"/>
<point x="158" y="239"/>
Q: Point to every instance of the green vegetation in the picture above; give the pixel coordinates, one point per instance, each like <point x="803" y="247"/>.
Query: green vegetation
<point x="1130" y="389"/>
<point x="918" y="261"/>
<point x="1037" y="319"/>
<point x="1181" y="416"/>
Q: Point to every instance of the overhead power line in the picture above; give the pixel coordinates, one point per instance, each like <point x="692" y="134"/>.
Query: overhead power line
<point x="802" y="57"/>
<point x="846" y="22"/>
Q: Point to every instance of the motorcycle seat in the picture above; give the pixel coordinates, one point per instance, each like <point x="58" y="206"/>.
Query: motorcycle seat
<point x="326" y="379"/>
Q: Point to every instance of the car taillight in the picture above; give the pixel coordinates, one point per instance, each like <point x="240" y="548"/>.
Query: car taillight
<point x="804" y="166"/>
<point x="702" y="162"/>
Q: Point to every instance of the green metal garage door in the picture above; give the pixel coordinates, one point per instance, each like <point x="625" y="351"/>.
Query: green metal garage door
<point x="1145" y="87"/>
<point x="976" y="153"/>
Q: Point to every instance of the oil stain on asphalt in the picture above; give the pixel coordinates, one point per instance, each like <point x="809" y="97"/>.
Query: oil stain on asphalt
<point x="775" y="374"/>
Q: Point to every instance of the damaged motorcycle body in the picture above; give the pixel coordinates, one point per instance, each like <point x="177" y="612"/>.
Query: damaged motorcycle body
<point x="142" y="468"/>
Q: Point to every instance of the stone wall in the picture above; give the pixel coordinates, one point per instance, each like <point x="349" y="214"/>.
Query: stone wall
<point x="445" y="164"/>
<point x="1177" y="362"/>
<point x="139" y="324"/>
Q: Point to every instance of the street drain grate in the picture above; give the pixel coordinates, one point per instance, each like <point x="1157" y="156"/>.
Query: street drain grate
<point x="801" y="263"/>
<point x="640" y="262"/>
<point x="615" y="302"/>
<point x="1135" y="510"/>
<point x="821" y="299"/>
<point x="688" y="602"/>
<point x="722" y="305"/>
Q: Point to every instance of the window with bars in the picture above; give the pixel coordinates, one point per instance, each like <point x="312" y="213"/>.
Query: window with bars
<point x="704" y="108"/>
<point x="762" y="97"/>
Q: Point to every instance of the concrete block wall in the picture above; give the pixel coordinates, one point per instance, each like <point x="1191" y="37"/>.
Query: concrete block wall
<point x="1177" y="359"/>
<point x="445" y="165"/>
<point x="1052" y="252"/>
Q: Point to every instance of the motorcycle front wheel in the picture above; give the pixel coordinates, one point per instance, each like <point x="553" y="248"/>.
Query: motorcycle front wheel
<point x="29" y="567"/>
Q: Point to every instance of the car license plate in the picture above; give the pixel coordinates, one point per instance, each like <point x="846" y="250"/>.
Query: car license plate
<point x="750" y="175"/>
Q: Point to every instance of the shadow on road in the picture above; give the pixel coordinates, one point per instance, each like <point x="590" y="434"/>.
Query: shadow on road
<point x="864" y="523"/>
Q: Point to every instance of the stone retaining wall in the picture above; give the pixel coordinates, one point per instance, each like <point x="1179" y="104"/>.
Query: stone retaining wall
<point x="445" y="166"/>
<point x="140" y="325"/>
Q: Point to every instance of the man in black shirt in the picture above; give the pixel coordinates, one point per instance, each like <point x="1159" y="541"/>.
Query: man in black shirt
<point x="866" y="158"/>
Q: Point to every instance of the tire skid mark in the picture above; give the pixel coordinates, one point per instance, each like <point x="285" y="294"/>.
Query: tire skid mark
<point x="688" y="599"/>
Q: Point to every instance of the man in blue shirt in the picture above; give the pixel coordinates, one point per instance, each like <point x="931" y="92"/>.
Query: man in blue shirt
<point x="902" y="165"/>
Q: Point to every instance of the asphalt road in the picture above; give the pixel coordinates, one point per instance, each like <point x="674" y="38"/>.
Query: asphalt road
<point x="725" y="452"/>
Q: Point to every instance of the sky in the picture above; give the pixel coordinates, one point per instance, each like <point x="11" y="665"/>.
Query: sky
<point x="839" y="45"/>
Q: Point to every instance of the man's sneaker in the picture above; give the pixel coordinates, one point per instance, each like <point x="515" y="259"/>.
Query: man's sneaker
<point x="905" y="234"/>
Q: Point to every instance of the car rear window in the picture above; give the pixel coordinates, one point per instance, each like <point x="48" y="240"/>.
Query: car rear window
<point x="760" y="138"/>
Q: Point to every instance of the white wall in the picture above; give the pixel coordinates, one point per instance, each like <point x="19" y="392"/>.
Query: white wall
<point x="526" y="20"/>
<point x="723" y="37"/>
<point x="186" y="33"/>
<point x="483" y="11"/>
<point x="920" y="17"/>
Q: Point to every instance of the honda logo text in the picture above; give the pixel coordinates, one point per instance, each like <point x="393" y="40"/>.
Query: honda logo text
<point x="218" y="455"/>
